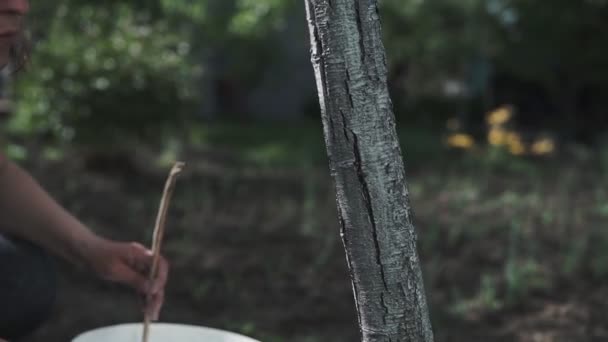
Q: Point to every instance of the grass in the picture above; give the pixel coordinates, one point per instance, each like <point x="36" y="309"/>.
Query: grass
<point x="297" y="143"/>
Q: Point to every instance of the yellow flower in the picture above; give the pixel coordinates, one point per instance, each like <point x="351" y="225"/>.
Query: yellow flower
<point x="497" y="136"/>
<point x="499" y="116"/>
<point x="512" y="138"/>
<point x="517" y="149"/>
<point x="460" y="140"/>
<point x="515" y="144"/>
<point x="542" y="146"/>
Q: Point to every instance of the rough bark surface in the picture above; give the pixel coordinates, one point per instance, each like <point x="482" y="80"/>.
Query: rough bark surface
<point x="366" y="164"/>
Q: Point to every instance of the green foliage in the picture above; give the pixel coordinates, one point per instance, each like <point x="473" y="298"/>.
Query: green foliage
<point x="300" y="143"/>
<point x="117" y="65"/>
<point x="102" y="71"/>
<point x="523" y="35"/>
<point x="265" y="144"/>
<point x="258" y="17"/>
<point x="131" y="68"/>
<point x="487" y="298"/>
<point x="565" y="44"/>
<point x="521" y="279"/>
<point x="16" y="152"/>
<point x="595" y="254"/>
<point x="550" y="60"/>
<point x="433" y="34"/>
<point x="186" y="9"/>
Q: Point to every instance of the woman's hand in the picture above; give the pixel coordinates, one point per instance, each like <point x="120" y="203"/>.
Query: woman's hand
<point x="36" y="217"/>
<point x="129" y="263"/>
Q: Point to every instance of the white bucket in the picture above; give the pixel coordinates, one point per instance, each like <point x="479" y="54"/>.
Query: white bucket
<point x="160" y="332"/>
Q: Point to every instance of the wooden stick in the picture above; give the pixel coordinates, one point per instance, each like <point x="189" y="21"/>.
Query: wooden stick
<point x="159" y="231"/>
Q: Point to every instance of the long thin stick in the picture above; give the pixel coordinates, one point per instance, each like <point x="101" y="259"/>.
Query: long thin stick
<point x="159" y="231"/>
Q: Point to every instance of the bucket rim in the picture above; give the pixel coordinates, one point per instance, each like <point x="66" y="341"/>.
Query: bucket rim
<point x="164" y="324"/>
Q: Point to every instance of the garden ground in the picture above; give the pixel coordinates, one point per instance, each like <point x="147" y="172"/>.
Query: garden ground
<point x="512" y="249"/>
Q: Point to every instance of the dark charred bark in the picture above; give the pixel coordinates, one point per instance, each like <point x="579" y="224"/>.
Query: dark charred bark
<point x="366" y="164"/>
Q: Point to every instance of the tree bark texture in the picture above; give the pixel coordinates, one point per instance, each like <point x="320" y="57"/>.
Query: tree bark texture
<point x="366" y="164"/>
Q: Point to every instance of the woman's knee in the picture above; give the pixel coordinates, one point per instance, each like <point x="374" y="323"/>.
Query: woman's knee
<point x="27" y="287"/>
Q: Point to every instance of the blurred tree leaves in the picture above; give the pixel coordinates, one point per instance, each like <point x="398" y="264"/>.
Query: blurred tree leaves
<point x="557" y="49"/>
<point x="131" y="67"/>
<point x="103" y="70"/>
<point x="563" y="48"/>
<point x="530" y="37"/>
<point x="134" y="66"/>
<point x="432" y="34"/>
<point x="258" y="17"/>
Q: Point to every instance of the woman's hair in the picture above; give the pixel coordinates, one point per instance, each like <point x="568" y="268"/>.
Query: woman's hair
<point x="20" y="53"/>
<point x="19" y="56"/>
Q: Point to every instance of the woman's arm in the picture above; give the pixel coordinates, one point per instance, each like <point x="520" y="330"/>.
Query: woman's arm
<point x="29" y="212"/>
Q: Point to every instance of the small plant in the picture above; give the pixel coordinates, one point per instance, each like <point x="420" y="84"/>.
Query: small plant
<point x="521" y="278"/>
<point x="487" y="299"/>
<point x="575" y="255"/>
<point x="488" y="295"/>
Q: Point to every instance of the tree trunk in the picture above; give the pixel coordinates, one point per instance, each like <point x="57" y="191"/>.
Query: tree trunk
<point x="366" y="164"/>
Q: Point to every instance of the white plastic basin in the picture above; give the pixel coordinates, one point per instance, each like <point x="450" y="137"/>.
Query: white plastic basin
<point x="160" y="332"/>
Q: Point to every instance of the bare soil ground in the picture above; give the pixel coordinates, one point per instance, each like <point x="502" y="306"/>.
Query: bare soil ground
<point x="257" y="251"/>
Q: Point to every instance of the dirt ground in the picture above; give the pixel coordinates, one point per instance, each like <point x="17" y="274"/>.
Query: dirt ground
<point x="257" y="251"/>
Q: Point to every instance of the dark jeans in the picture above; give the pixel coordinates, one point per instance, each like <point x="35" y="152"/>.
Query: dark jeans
<point x="27" y="287"/>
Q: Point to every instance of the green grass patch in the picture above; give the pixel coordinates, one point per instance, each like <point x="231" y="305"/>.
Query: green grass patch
<point x="299" y="143"/>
